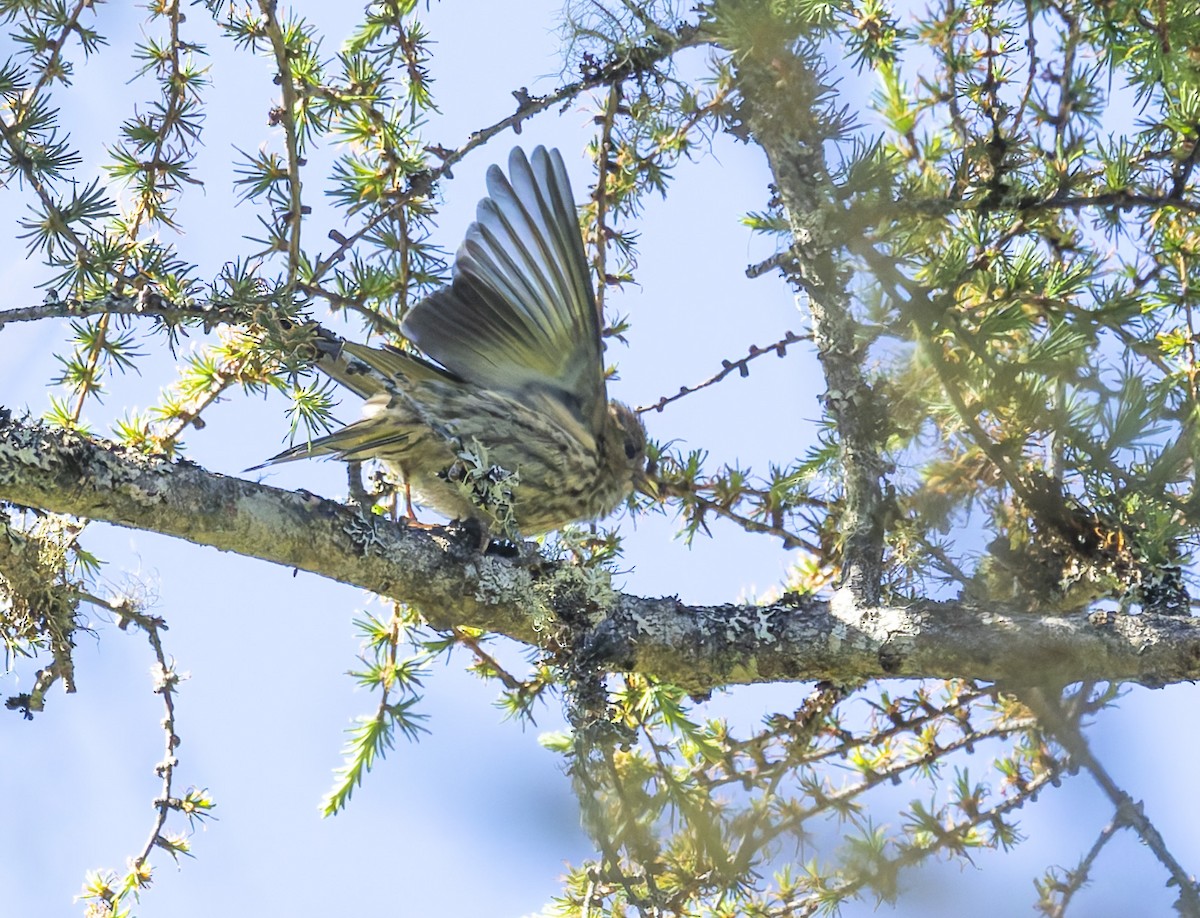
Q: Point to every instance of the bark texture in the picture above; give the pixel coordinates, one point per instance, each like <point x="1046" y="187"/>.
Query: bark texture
<point x="553" y="604"/>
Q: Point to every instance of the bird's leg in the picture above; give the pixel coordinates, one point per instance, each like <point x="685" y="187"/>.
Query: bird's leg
<point x="358" y="490"/>
<point x="408" y="507"/>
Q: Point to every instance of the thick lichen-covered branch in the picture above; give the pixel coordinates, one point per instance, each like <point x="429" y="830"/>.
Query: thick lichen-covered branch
<point x="773" y="100"/>
<point x="541" y="602"/>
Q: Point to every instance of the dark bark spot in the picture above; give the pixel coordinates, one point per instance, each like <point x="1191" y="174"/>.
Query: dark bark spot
<point x="890" y="660"/>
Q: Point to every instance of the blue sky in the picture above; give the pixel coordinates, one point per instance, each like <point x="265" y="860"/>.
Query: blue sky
<point x="262" y="715"/>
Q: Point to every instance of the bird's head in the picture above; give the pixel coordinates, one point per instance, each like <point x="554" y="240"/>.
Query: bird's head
<point x="630" y="436"/>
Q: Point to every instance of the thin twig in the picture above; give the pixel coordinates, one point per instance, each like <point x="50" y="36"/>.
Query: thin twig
<point x="633" y="62"/>
<point x="1067" y="732"/>
<point x="603" y="167"/>
<point x="510" y="682"/>
<point x="287" y="116"/>
<point x="706" y="505"/>
<point x="1080" y="875"/>
<point x="167" y="680"/>
<point x="56" y="47"/>
<point x="779" y="348"/>
<point x="145" y="303"/>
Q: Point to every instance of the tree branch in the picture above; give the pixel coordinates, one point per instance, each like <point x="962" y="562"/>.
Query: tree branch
<point x="774" y="91"/>
<point x="1067" y="732"/>
<point x="698" y="647"/>
<point x="146" y="302"/>
<point x="291" y="133"/>
<point x="628" y="63"/>
<point x="742" y="365"/>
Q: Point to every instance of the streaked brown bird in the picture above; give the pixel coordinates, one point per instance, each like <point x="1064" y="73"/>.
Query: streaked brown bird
<point x="514" y="364"/>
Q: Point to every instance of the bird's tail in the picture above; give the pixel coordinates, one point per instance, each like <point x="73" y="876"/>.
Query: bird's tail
<point x="373" y="374"/>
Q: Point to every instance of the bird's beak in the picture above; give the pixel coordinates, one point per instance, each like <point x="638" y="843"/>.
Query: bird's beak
<point x="643" y="483"/>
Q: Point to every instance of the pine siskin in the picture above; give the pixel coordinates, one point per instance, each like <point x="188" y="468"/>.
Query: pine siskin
<point x="515" y="369"/>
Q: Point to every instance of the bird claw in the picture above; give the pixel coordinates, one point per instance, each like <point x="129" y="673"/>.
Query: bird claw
<point x="475" y="535"/>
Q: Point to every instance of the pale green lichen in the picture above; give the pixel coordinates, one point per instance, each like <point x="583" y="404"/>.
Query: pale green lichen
<point x="587" y="588"/>
<point x="488" y="487"/>
<point x="496" y="584"/>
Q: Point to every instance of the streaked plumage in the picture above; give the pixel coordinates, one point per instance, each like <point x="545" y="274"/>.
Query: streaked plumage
<point x="515" y="362"/>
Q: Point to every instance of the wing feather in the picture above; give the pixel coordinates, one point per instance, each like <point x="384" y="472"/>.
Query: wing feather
<point x="520" y="311"/>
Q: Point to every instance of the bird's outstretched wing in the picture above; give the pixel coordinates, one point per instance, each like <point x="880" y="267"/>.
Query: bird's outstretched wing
<point x="520" y="311"/>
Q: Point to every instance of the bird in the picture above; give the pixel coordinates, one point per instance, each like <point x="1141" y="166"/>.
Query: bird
<point x="509" y="379"/>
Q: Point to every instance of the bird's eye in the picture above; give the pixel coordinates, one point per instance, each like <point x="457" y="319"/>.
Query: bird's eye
<point x="630" y="449"/>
